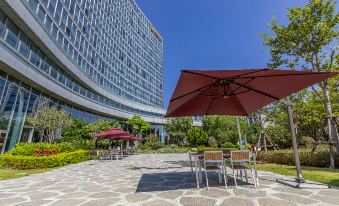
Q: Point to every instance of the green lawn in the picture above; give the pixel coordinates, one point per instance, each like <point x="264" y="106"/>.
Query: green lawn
<point x="321" y="175"/>
<point x="11" y="173"/>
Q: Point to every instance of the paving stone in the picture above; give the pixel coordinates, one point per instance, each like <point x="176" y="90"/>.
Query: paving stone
<point x="35" y="203"/>
<point x="73" y="195"/>
<point x="125" y="190"/>
<point x="250" y="192"/>
<point x="197" y="201"/>
<point x="105" y="195"/>
<point x="67" y="202"/>
<point x="215" y="193"/>
<point x="237" y="201"/>
<point x="275" y="202"/>
<point x="327" y="199"/>
<point x="101" y="202"/>
<point x="42" y="195"/>
<point x="331" y="192"/>
<point x="137" y="197"/>
<point x="295" y="198"/>
<point x="158" y="203"/>
<point x="170" y="194"/>
<point x="8" y="201"/>
<point x="293" y="190"/>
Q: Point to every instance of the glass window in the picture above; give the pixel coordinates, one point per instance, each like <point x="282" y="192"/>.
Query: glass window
<point x="54" y="72"/>
<point x="54" y="32"/>
<point x="76" y="87"/>
<point x="69" y="83"/>
<point x="48" y="23"/>
<point x="33" y="4"/>
<point x="51" y="6"/>
<point x="2" y="23"/>
<point x="41" y="14"/>
<point x="33" y="54"/>
<point x="61" y="78"/>
<point x="58" y="11"/>
<point x="44" y="2"/>
<point x="23" y="45"/>
<point x="12" y="33"/>
<point x="45" y="64"/>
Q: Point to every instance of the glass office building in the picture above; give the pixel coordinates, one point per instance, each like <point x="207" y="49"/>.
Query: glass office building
<point x="95" y="59"/>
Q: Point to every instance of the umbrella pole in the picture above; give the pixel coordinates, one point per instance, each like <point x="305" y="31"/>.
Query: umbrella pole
<point x="294" y="141"/>
<point x="239" y="133"/>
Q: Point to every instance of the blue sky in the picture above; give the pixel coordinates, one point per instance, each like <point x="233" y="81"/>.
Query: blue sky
<point x="213" y="34"/>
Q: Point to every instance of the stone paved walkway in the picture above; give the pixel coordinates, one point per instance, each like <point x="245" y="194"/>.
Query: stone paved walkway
<point x="148" y="180"/>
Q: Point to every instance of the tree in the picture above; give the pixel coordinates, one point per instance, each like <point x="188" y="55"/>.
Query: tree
<point x="48" y="121"/>
<point x="138" y="125"/>
<point x="77" y="131"/>
<point x="197" y="137"/>
<point x="98" y="126"/>
<point x="308" y="40"/>
<point x="178" y="127"/>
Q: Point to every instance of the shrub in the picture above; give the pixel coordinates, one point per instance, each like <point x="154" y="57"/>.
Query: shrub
<point x="152" y="138"/>
<point x="197" y="137"/>
<point x="212" y="142"/>
<point x="32" y="162"/>
<point x="319" y="158"/>
<point x="228" y="145"/>
<point x="203" y="148"/>
<point x="151" y="146"/>
<point x="27" y="149"/>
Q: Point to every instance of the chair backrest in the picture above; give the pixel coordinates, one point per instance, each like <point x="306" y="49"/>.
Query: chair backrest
<point x="240" y="155"/>
<point x="213" y="156"/>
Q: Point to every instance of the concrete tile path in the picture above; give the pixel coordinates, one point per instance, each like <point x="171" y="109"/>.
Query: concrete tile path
<point x="149" y="180"/>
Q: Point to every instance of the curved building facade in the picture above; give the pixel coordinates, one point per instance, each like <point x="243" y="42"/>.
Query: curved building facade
<point x="95" y="59"/>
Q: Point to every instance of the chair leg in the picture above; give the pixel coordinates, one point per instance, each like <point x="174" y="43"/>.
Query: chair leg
<point x="219" y="176"/>
<point x="235" y="179"/>
<point x="206" y="178"/>
<point x="225" y="179"/>
<point x="246" y="176"/>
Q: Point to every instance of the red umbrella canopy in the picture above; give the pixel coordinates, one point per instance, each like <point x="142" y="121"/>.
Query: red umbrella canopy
<point x="112" y="133"/>
<point x="126" y="138"/>
<point x="236" y="92"/>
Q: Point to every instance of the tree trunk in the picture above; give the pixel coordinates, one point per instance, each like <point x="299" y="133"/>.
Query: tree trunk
<point x="331" y="127"/>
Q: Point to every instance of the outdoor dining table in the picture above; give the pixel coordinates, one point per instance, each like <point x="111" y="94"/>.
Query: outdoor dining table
<point x="198" y="157"/>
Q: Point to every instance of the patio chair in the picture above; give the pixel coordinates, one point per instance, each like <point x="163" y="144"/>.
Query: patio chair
<point x="241" y="161"/>
<point x="214" y="161"/>
<point x="104" y="155"/>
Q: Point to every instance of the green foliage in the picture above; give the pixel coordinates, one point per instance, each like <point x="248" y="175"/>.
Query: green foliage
<point x="48" y="120"/>
<point x="320" y="158"/>
<point x="204" y="148"/>
<point x="152" y="138"/>
<point x="224" y="129"/>
<point x="98" y="126"/>
<point x="77" y="131"/>
<point x="177" y="129"/>
<point x="280" y="135"/>
<point x="228" y="145"/>
<point x="166" y="150"/>
<point x="212" y="142"/>
<point x="197" y="137"/>
<point x="151" y="146"/>
<point x="9" y="160"/>
<point x="138" y="124"/>
<point x="27" y="149"/>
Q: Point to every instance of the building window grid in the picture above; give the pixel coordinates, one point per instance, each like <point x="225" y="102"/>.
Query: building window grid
<point x="36" y="64"/>
<point x="141" y="102"/>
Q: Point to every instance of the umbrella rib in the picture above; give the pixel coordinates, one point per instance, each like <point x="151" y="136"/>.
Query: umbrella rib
<point x="255" y="90"/>
<point x="242" y="106"/>
<point x="184" y="104"/>
<point x="282" y="75"/>
<point x="205" y="75"/>
<point x="209" y="106"/>
<point x="172" y="100"/>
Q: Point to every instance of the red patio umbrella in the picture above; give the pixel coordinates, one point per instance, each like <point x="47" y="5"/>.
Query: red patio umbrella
<point x="236" y="92"/>
<point x="239" y="93"/>
<point x="115" y="132"/>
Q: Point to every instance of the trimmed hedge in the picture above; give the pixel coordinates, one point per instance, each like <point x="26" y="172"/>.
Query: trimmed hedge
<point x="319" y="158"/>
<point x="9" y="160"/>
<point x="27" y="149"/>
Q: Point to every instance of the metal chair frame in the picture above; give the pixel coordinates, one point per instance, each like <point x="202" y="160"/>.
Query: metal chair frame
<point x="215" y="157"/>
<point x="241" y="158"/>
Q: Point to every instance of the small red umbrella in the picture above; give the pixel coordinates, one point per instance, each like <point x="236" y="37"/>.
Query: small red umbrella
<point x="112" y="133"/>
<point x="236" y="92"/>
